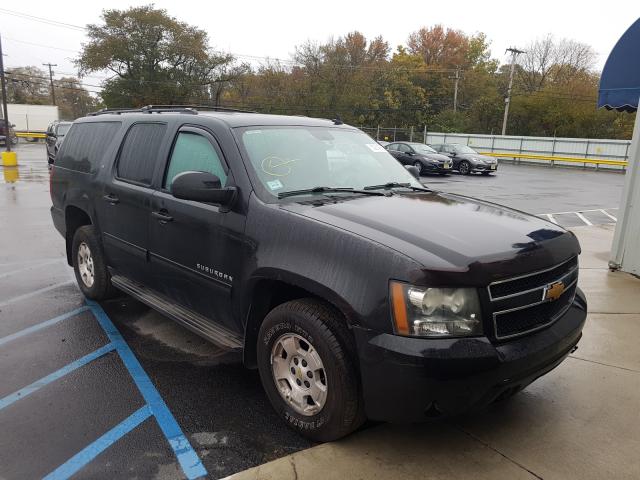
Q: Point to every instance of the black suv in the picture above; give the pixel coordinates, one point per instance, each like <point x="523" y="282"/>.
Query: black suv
<point x="7" y="132"/>
<point x="354" y="290"/>
<point x="55" y="135"/>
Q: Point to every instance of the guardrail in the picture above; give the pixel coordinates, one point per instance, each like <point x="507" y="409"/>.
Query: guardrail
<point x="554" y="158"/>
<point x="31" y="135"/>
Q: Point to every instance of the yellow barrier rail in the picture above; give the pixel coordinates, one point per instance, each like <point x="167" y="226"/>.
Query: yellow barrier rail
<point x="526" y="156"/>
<point x="30" y="135"/>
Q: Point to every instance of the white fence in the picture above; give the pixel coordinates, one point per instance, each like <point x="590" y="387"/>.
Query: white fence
<point x="591" y="150"/>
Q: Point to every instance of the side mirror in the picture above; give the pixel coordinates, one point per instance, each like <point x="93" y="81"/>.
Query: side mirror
<point x="202" y="187"/>
<point x="413" y="170"/>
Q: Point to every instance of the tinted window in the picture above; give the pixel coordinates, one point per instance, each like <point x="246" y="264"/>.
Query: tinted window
<point x="193" y="153"/>
<point x="139" y="152"/>
<point x="404" y="148"/>
<point x="85" y="145"/>
<point x="393" y="147"/>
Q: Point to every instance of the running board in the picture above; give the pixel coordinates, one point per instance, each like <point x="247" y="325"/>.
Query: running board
<point x="193" y="321"/>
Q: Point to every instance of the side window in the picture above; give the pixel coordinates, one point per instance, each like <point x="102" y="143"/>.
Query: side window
<point x="393" y="147"/>
<point x="403" y="148"/>
<point x="85" y="145"/>
<point x="193" y="152"/>
<point x="139" y="152"/>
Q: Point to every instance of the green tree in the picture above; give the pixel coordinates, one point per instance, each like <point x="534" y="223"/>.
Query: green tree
<point x="154" y="58"/>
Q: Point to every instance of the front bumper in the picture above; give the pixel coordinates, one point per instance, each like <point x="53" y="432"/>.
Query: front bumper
<point x="437" y="168"/>
<point x="407" y="379"/>
<point x="484" y="168"/>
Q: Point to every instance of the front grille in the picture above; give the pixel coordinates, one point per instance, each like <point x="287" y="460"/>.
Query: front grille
<point x="533" y="318"/>
<point x="512" y="286"/>
<point x="519" y="305"/>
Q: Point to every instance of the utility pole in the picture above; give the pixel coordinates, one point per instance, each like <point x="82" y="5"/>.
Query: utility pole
<point x="53" y="90"/>
<point x="5" y="115"/>
<point x="514" y="53"/>
<point x="455" y="89"/>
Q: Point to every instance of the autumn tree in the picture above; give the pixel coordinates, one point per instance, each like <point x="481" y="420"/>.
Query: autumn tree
<point x="73" y="99"/>
<point x="154" y="58"/>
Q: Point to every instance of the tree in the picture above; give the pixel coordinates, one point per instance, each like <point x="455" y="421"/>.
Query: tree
<point x="28" y="85"/>
<point x="154" y="57"/>
<point x="548" y="60"/>
<point x="73" y="99"/>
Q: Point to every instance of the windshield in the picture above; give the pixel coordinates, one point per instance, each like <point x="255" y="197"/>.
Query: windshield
<point x="286" y="159"/>
<point x="464" y="149"/>
<point x="422" y="148"/>
<point x="63" y="129"/>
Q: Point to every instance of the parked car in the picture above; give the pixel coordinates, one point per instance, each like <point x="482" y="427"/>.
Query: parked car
<point x="55" y="135"/>
<point x="466" y="160"/>
<point x="353" y="289"/>
<point x="421" y="156"/>
<point x="7" y="132"/>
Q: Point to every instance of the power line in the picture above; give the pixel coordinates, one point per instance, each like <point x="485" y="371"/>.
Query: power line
<point x="41" y="19"/>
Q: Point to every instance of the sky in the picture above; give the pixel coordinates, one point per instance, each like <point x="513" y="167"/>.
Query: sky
<point x="273" y="28"/>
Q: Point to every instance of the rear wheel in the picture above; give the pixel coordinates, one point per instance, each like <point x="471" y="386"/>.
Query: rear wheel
<point x="464" y="168"/>
<point x="89" y="265"/>
<point x="306" y="359"/>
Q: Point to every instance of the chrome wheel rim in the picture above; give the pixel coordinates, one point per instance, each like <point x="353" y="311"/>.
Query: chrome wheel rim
<point x="464" y="168"/>
<point x="85" y="265"/>
<point x="418" y="165"/>
<point x="299" y="374"/>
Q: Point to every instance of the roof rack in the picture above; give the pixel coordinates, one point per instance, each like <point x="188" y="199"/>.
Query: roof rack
<point x="190" y="109"/>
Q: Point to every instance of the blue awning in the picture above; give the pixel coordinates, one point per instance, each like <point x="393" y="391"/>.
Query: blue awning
<point x="620" y="79"/>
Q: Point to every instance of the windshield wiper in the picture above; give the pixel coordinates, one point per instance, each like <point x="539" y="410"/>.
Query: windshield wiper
<point x="389" y="185"/>
<point x="326" y="190"/>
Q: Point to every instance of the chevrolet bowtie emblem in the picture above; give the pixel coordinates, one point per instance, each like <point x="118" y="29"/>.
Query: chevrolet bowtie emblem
<point x="553" y="291"/>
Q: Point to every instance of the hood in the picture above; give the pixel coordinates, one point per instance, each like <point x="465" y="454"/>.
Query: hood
<point x="449" y="232"/>
<point x="434" y="157"/>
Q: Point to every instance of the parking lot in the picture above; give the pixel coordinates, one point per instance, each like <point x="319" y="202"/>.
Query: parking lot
<point x="115" y="390"/>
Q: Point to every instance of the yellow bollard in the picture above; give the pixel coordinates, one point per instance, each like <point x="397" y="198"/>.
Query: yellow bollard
<point x="9" y="159"/>
<point x="11" y="174"/>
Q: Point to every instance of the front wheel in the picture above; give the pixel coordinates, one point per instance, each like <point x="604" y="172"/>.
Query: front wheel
<point x="464" y="168"/>
<point x="306" y="359"/>
<point x="418" y="165"/>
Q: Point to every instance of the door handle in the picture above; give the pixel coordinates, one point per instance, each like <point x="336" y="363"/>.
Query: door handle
<point x="162" y="216"/>
<point x="111" y="198"/>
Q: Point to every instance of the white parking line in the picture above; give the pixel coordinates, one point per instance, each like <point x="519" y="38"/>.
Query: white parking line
<point x="35" y="292"/>
<point x="609" y="215"/>
<point x="583" y="218"/>
<point x="551" y="218"/>
<point x="30" y="267"/>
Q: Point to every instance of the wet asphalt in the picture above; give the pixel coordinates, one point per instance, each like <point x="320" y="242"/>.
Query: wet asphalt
<point x="218" y="404"/>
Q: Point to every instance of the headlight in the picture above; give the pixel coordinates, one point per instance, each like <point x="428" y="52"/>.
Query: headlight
<point x="435" y="312"/>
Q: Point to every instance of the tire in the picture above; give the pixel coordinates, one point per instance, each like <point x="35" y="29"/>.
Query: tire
<point x="464" y="168"/>
<point x="319" y="331"/>
<point x="418" y="165"/>
<point x="85" y="241"/>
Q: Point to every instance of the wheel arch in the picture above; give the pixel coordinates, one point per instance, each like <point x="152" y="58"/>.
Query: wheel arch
<point x="267" y="291"/>
<point x="75" y="217"/>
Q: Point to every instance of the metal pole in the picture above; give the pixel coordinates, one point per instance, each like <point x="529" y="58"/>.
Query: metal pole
<point x="53" y="89"/>
<point x="455" y="90"/>
<point x="424" y="135"/>
<point x="5" y="115"/>
<point x="514" y="52"/>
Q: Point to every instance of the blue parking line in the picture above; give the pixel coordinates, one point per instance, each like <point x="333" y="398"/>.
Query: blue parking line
<point x="186" y="455"/>
<point x="42" y="325"/>
<point x="52" y="377"/>
<point x="90" y="452"/>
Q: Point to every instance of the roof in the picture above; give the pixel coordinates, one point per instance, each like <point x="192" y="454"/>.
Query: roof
<point x="230" y="117"/>
<point x="620" y="79"/>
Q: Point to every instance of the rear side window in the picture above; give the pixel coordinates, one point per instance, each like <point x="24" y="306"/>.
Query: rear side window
<point x="193" y="152"/>
<point x="139" y="152"/>
<point x="85" y="145"/>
